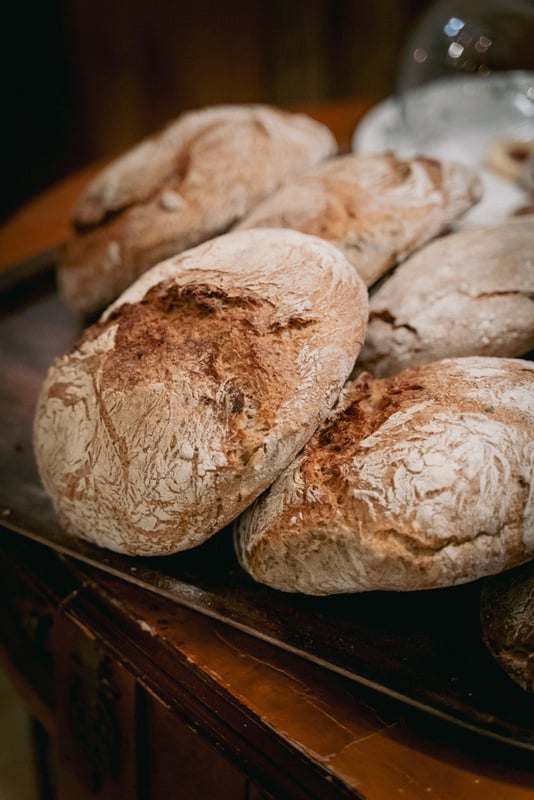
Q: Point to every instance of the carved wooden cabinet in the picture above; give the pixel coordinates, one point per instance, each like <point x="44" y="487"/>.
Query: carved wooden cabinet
<point x="136" y="697"/>
<point x="102" y="727"/>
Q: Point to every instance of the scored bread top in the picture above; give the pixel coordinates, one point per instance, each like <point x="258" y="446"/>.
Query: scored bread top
<point x="417" y="481"/>
<point x="468" y="293"/>
<point x="196" y="388"/>
<point x="191" y="181"/>
<point x="376" y="208"/>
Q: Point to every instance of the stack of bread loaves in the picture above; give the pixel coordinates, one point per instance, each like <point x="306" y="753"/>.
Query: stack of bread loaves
<point x="224" y="384"/>
<point x="217" y="375"/>
<point x="221" y="167"/>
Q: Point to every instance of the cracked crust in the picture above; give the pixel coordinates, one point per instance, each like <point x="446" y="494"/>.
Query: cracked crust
<point x="178" y="188"/>
<point x="418" y="481"/>
<point x="468" y="293"/>
<point x="376" y="208"/>
<point x="507" y="619"/>
<point x="196" y="388"/>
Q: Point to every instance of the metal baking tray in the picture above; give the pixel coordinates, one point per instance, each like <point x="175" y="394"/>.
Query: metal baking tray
<point x="422" y="648"/>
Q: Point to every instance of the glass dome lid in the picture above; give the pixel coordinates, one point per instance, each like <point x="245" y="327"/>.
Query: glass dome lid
<point x="465" y="91"/>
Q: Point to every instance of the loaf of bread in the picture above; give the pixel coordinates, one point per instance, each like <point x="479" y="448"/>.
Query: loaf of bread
<point x="421" y="480"/>
<point x="376" y="208"/>
<point x="507" y="620"/>
<point x="468" y="293"/>
<point x="190" y="182"/>
<point x="196" y="388"/>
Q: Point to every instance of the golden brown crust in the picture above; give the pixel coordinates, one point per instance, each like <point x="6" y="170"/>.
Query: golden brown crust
<point x="376" y="208"/>
<point x="416" y="481"/>
<point x="188" y="183"/>
<point x="196" y="388"/>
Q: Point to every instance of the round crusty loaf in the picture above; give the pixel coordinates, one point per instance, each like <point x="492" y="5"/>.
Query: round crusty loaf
<point x="468" y="293"/>
<point x="507" y="619"/>
<point x="376" y="208"/>
<point x="196" y="388"/>
<point x="188" y="183"/>
<point x="417" y="481"/>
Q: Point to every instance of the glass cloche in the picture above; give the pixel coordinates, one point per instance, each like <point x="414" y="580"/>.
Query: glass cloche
<point x="465" y="91"/>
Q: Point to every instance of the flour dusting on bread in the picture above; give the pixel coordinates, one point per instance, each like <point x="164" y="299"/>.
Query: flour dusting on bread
<point x="188" y="183"/>
<point x="196" y="388"/>
<point x="467" y="293"/>
<point x="376" y="208"/>
<point x="417" y="481"/>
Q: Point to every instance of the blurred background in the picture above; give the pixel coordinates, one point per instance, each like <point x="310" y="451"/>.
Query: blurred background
<point x="84" y="79"/>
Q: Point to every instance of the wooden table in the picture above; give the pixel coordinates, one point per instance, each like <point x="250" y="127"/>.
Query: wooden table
<point x="138" y="697"/>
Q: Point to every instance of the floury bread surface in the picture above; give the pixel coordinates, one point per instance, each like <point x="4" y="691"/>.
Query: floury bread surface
<point x="468" y="293"/>
<point x="196" y="388"/>
<point x="189" y="183"/>
<point x="422" y="480"/>
<point x="376" y="208"/>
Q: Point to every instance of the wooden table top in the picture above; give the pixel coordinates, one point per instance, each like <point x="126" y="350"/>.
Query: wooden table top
<point x="306" y="718"/>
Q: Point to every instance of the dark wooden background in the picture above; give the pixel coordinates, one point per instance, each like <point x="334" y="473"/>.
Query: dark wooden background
<point x="82" y="79"/>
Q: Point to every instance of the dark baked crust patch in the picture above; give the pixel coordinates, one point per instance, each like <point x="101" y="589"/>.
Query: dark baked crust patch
<point x="209" y="333"/>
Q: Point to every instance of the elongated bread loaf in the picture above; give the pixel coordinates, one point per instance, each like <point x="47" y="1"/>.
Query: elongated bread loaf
<point x="196" y="388"/>
<point x="468" y="293"/>
<point x="376" y="208"/>
<point x="417" y="481"/>
<point x="190" y="182"/>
